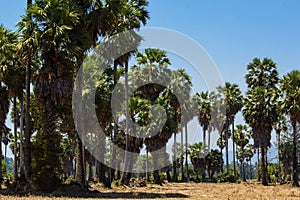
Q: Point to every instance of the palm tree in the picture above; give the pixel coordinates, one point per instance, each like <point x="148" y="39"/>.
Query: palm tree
<point x="12" y="76"/>
<point x="249" y="153"/>
<point x="290" y="85"/>
<point x="4" y="108"/>
<point x="204" y="112"/>
<point x="233" y="100"/>
<point x="53" y="22"/>
<point x="27" y="134"/>
<point x="131" y="17"/>
<point x="260" y="110"/>
<point x="280" y="127"/>
<point x="241" y="138"/>
<point x="151" y="65"/>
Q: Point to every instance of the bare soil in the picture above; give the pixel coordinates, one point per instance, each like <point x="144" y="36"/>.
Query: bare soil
<point x="249" y="190"/>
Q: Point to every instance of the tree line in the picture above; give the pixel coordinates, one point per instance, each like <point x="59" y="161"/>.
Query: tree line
<point x="46" y="53"/>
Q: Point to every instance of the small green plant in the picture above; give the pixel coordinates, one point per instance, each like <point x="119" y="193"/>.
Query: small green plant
<point x="117" y="183"/>
<point x="228" y="177"/>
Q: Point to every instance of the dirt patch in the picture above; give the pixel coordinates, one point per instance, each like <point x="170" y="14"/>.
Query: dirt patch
<point x="168" y="191"/>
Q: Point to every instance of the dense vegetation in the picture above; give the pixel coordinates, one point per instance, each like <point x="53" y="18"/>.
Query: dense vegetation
<point x="38" y="66"/>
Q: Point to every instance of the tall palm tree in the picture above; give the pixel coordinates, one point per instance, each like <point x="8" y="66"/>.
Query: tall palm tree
<point x="131" y="17"/>
<point x="27" y="134"/>
<point x="204" y="112"/>
<point x="280" y="127"/>
<point x="290" y="85"/>
<point x="260" y="110"/>
<point x="52" y="22"/>
<point x="151" y="65"/>
<point x="233" y="100"/>
<point x="12" y="76"/>
<point x="241" y="138"/>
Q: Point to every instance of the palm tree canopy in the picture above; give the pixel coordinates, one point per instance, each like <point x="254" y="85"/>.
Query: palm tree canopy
<point x="290" y="85"/>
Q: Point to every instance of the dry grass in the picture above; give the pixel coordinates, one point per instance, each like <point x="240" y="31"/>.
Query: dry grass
<point x="187" y="191"/>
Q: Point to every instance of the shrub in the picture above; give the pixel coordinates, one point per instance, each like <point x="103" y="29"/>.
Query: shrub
<point x="228" y="177"/>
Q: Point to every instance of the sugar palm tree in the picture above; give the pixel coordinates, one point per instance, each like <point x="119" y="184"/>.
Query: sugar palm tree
<point x="132" y="16"/>
<point x="280" y="127"/>
<point x="241" y="138"/>
<point x="260" y="110"/>
<point x="153" y="65"/>
<point x="12" y="76"/>
<point x="52" y="22"/>
<point x="290" y="85"/>
<point x="233" y="100"/>
<point x="204" y="112"/>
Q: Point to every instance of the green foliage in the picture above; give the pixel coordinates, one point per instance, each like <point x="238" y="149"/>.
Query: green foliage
<point x="47" y="163"/>
<point x="228" y="176"/>
<point x="210" y="162"/>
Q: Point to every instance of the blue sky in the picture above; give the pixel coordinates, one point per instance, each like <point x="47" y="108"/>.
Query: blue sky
<point x="233" y="32"/>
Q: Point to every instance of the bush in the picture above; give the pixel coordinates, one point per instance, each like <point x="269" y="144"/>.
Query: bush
<point x="228" y="177"/>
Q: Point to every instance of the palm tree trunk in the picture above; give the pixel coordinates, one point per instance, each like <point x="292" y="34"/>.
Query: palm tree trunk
<point x="27" y="135"/>
<point x="147" y="166"/>
<point x="295" y="160"/>
<point x="182" y="156"/>
<point x="174" y="161"/>
<point x="204" y="137"/>
<point x="186" y="153"/>
<point x="268" y="175"/>
<point x="126" y="124"/>
<point x="0" y="158"/>
<point x="22" y="172"/>
<point x="226" y="145"/>
<point x="113" y="136"/>
<point x="80" y="174"/>
<point x="244" y="172"/>
<point x="279" y="167"/>
<point x="221" y="150"/>
<point x="233" y="148"/>
<point x="16" y="139"/>
<point x="258" y="166"/>
<point x="263" y="166"/>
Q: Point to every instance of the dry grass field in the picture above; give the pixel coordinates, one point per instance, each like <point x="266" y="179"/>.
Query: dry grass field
<point x="182" y="191"/>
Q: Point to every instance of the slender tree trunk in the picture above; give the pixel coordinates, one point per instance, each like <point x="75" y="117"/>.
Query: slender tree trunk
<point x="250" y="169"/>
<point x="114" y="135"/>
<point x="90" y="178"/>
<point x="221" y="150"/>
<point x="175" y="179"/>
<point x="258" y="166"/>
<point x="208" y="142"/>
<point x="182" y="155"/>
<point x="27" y="135"/>
<point x="243" y="167"/>
<point x="226" y="145"/>
<point x="295" y="160"/>
<point x="16" y="139"/>
<point x="243" y="171"/>
<point x="233" y="148"/>
<point x="22" y="172"/>
<point x="204" y="137"/>
<point x="147" y="166"/>
<point x="268" y="175"/>
<point x="186" y="153"/>
<point x="126" y="125"/>
<point x="0" y="160"/>
<point x="279" y="161"/>
<point x="263" y="166"/>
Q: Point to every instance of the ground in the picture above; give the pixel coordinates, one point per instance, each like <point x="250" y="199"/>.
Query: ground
<point x="169" y="191"/>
